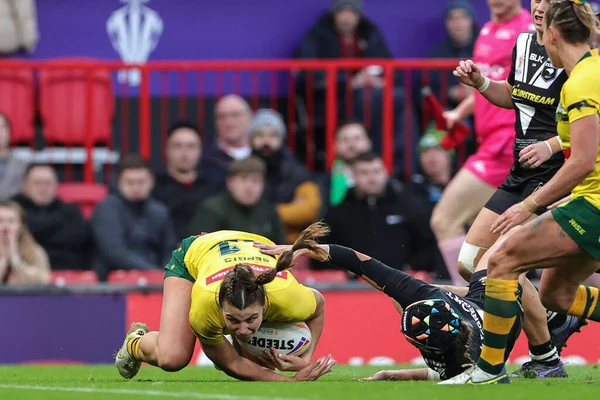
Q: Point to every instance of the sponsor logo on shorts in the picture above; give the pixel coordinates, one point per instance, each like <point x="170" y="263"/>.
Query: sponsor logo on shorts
<point x="576" y="226"/>
<point x="219" y="276"/>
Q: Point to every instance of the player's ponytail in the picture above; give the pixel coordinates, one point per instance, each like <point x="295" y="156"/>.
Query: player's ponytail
<point x="574" y="19"/>
<point x="241" y="288"/>
<point x="307" y="240"/>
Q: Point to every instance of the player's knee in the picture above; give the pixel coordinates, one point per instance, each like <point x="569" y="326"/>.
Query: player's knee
<point x="440" y="223"/>
<point x="467" y="260"/>
<point x="173" y="361"/>
<point x="503" y="263"/>
<point x="464" y="272"/>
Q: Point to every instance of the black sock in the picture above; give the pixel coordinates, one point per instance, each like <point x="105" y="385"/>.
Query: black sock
<point x="545" y="353"/>
<point x="555" y="320"/>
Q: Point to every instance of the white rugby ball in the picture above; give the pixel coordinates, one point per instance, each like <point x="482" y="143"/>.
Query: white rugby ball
<point x="286" y="337"/>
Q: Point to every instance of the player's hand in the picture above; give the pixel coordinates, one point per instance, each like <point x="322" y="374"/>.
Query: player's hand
<point x="512" y="217"/>
<point x="469" y="73"/>
<point x="534" y="155"/>
<point x="315" y="370"/>
<point x="285" y="362"/>
<point x="381" y="376"/>
<point x="451" y="117"/>
<point x="559" y="202"/>
<point x="272" y="249"/>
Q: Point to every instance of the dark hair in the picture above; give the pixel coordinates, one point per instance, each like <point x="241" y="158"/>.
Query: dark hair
<point x="183" y="125"/>
<point x="577" y="23"/>
<point x="368" y="156"/>
<point x="249" y="165"/>
<point x="132" y="161"/>
<point x="348" y="122"/>
<point x="33" y="166"/>
<point x="242" y="289"/>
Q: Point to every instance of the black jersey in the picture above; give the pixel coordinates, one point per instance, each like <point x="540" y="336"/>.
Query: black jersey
<point x="535" y="95"/>
<point x="470" y="310"/>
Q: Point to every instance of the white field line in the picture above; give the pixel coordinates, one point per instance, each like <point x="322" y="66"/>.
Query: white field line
<point x="134" y="392"/>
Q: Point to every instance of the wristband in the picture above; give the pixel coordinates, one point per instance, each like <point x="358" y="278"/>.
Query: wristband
<point x="485" y="85"/>
<point x="530" y="204"/>
<point x="549" y="148"/>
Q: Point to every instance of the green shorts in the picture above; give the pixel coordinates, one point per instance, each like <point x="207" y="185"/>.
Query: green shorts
<point x="581" y="221"/>
<point x="176" y="266"/>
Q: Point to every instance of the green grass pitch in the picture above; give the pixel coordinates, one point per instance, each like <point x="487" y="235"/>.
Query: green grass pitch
<point x="103" y="382"/>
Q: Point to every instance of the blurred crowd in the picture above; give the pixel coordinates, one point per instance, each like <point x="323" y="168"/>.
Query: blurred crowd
<point x="246" y="178"/>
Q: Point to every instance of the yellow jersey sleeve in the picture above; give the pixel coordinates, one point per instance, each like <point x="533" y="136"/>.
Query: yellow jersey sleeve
<point x="581" y="97"/>
<point x="294" y="303"/>
<point x="206" y="318"/>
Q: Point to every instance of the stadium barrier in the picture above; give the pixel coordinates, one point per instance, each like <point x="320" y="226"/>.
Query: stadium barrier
<point x="86" y="324"/>
<point x="89" y="117"/>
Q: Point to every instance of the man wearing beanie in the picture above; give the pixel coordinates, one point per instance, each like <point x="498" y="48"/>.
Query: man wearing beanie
<point x="344" y="32"/>
<point x="461" y="32"/>
<point x="288" y="184"/>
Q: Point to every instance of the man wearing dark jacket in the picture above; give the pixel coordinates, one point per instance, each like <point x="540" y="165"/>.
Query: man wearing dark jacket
<point x="376" y="218"/>
<point x="288" y="184"/>
<point x="131" y="229"/>
<point x="459" y="43"/>
<point x="345" y="32"/>
<point x="240" y="207"/>
<point x="232" y="116"/>
<point x="181" y="186"/>
<point x="57" y="226"/>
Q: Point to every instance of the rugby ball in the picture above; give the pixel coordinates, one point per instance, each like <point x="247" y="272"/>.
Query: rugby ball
<point x="286" y="337"/>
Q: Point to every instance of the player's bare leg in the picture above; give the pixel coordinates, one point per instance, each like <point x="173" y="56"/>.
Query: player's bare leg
<point x="461" y="201"/>
<point x="171" y="348"/>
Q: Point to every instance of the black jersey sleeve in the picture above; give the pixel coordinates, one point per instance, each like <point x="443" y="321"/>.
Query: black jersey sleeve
<point x="397" y="284"/>
<point x="511" y="76"/>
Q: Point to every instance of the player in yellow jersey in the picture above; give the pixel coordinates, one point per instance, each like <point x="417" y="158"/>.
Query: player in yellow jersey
<point x="566" y="240"/>
<point x="217" y="284"/>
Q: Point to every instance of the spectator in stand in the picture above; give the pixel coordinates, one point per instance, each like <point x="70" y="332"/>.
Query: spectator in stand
<point x="240" y="207"/>
<point x="344" y="32"/>
<point x="351" y="140"/>
<point x="18" y="26"/>
<point x="57" y="226"/>
<point x="459" y="43"/>
<point x="12" y="169"/>
<point x="131" y="229"/>
<point x="288" y="183"/>
<point x="22" y="260"/>
<point x="436" y="168"/>
<point x="232" y="117"/>
<point x="426" y="189"/>
<point x="376" y="218"/>
<point x="181" y="186"/>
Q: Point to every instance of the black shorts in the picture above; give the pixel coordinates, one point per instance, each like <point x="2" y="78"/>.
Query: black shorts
<point x="506" y="197"/>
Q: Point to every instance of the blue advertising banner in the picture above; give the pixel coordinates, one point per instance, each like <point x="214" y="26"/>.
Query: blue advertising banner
<point x="75" y="328"/>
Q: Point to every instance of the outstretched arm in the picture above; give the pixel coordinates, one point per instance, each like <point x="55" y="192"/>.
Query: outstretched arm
<point x="421" y="374"/>
<point x="397" y="284"/>
<point x="227" y="359"/>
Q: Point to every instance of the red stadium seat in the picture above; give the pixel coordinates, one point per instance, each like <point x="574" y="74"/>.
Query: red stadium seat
<point x="63" y="104"/>
<point x="18" y="104"/>
<point x="63" y="278"/>
<point x="85" y="195"/>
<point x="327" y="276"/>
<point x="137" y="277"/>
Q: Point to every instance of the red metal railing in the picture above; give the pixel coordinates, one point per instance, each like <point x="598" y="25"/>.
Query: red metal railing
<point x="245" y="79"/>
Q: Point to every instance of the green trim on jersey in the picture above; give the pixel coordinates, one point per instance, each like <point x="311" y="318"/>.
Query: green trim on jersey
<point x="176" y="266"/>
